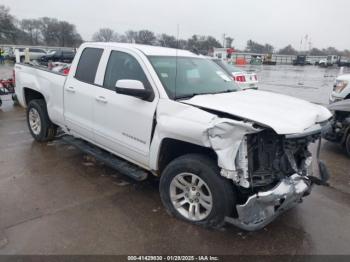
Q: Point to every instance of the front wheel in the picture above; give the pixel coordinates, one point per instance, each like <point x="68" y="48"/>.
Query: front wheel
<point x="192" y="189"/>
<point x="40" y="126"/>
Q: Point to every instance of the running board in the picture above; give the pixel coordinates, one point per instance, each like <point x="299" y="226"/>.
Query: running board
<point x="121" y="165"/>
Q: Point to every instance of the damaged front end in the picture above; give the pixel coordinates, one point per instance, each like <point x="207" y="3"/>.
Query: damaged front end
<point x="273" y="173"/>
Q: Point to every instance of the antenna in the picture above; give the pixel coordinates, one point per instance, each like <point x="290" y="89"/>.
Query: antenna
<point x="176" y="54"/>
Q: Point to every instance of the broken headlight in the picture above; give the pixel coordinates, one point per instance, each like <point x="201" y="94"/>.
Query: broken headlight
<point x="340" y="85"/>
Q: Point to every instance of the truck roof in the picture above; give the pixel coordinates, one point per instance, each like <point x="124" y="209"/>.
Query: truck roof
<point x="146" y="49"/>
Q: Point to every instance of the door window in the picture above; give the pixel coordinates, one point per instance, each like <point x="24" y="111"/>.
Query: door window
<point x="88" y="64"/>
<point x="123" y="66"/>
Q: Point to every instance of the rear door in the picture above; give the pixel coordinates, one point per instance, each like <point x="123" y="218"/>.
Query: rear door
<point x="79" y="94"/>
<point x="123" y="124"/>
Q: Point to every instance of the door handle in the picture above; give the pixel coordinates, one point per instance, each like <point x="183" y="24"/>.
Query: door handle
<point x="70" y="89"/>
<point x="101" y="99"/>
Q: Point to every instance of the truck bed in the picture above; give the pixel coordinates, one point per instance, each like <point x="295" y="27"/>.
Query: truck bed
<point x="49" y="83"/>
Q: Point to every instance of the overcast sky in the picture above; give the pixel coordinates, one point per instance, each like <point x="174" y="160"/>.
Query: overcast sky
<point x="278" y="22"/>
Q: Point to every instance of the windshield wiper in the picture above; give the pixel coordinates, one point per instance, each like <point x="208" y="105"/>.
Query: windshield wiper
<point x="188" y="96"/>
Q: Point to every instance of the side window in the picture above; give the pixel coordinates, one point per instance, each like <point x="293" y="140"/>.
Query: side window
<point x="88" y="64"/>
<point x="123" y="66"/>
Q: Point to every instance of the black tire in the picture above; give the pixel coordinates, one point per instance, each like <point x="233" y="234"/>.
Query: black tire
<point x="222" y="189"/>
<point x="347" y="145"/>
<point x="14" y="99"/>
<point x="47" y="130"/>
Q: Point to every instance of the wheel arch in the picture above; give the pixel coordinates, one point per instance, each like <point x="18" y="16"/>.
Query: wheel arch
<point x="171" y="149"/>
<point x="31" y="94"/>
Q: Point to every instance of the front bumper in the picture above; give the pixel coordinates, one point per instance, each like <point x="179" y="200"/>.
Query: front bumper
<point x="263" y="207"/>
<point x="245" y="86"/>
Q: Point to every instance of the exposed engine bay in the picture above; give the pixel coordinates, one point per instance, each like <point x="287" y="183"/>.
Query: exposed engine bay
<point x="264" y="158"/>
<point x="273" y="175"/>
<point x="272" y="157"/>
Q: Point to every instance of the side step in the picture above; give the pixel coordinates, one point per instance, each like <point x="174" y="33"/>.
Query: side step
<point x="121" y="165"/>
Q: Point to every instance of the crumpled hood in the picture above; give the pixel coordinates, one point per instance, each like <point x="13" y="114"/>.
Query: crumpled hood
<point x="284" y="114"/>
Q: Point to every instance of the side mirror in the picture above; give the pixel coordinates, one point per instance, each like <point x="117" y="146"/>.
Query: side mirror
<point x="132" y="88"/>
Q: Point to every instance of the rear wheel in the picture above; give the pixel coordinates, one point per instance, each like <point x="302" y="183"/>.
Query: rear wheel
<point x="40" y="126"/>
<point x="192" y="189"/>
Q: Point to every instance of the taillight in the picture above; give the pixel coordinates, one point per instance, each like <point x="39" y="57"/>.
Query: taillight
<point x="240" y="78"/>
<point x="66" y="71"/>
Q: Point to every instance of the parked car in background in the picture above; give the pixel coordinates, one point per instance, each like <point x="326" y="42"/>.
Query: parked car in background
<point x="344" y="61"/>
<point x="267" y="60"/>
<point x="256" y="60"/>
<point x="322" y="62"/>
<point x="64" y="56"/>
<point x="332" y="60"/>
<point x="340" y="125"/>
<point x="341" y="89"/>
<point x="300" y="60"/>
<point x="245" y="80"/>
<point x="34" y="53"/>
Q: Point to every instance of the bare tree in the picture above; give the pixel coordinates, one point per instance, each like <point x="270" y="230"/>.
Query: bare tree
<point x="202" y="44"/>
<point x="131" y="36"/>
<point x="105" y="35"/>
<point x="59" y="33"/>
<point x="255" y="47"/>
<point x="288" y="50"/>
<point x="229" y="41"/>
<point x="146" y="37"/>
<point x="33" y="29"/>
<point x="167" y="40"/>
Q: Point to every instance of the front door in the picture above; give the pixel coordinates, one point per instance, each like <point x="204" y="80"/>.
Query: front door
<point x="123" y="124"/>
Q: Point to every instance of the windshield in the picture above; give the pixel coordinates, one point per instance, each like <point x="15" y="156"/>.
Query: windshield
<point x="192" y="76"/>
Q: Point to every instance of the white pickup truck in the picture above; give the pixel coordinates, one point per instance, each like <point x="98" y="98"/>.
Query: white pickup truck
<point x="221" y="154"/>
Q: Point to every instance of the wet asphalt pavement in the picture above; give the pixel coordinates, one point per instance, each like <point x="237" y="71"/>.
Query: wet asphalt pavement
<point x="56" y="200"/>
